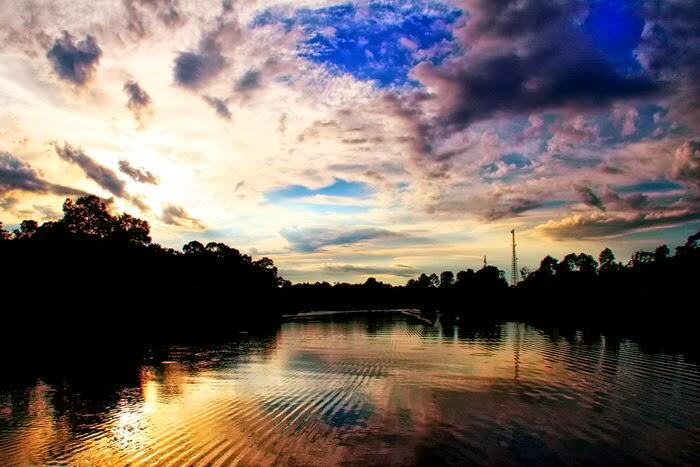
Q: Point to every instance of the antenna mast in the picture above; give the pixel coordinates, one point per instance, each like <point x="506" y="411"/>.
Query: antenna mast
<point x="514" y="271"/>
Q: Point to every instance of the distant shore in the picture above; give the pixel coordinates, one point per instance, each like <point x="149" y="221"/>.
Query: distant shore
<point x="414" y="313"/>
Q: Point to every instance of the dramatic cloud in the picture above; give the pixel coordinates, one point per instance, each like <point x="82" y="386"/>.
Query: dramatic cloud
<point x="75" y="62"/>
<point x="589" y="198"/>
<point x="670" y="49"/>
<point x="219" y="105"/>
<point x="595" y="226"/>
<point x="139" y="175"/>
<point x="456" y="120"/>
<point x="139" y="101"/>
<point x="103" y="176"/>
<point x="308" y="240"/>
<point x="514" y="65"/>
<point x="686" y="164"/>
<point x="16" y="174"/>
<point x="176" y="215"/>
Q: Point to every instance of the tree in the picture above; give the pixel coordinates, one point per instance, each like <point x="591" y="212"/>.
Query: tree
<point x="464" y="278"/>
<point x="661" y="254"/>
<point x="131" y="229"/>
<point x="194" y="248"/>
<point x="548" y="266"/>
<point x="424" y="281"/>
<point x="607" y="260"/>
<point x="4" y="234"/>
<point x="491" y="276"/>
<point x="641" y="258"/>
<point x="434" y="280"/>
<point x="87" y="217"/>
<point x="447" y="279"/>
<point x="586" y="264"/>
<point x="26" y="230"/>
<point x="524" y="272"/>
<point x="567" y="265"/>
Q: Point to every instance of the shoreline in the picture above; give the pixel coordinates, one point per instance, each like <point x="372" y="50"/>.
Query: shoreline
<point x="414" y="313"/>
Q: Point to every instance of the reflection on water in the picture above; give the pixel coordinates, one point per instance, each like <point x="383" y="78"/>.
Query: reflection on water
<point x="365" y="391"/>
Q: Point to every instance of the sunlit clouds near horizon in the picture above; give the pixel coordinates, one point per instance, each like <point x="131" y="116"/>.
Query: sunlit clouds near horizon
<point x="360" y="138"/>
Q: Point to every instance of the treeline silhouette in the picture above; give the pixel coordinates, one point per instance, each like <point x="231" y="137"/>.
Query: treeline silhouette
<point x="101" y="272"/>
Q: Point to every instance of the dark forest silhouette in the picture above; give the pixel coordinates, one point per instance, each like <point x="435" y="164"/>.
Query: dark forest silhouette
<point x="105" y="269"/>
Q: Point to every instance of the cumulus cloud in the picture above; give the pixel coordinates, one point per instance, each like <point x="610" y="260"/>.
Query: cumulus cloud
<point x="177" y="216"/>
<point x="16" y="174"/>
<point x="589" y="198"/>
<point x="219" y="105"/>
<point x="75" y="62"/>
<point x="139" y="175"/>
<point x="103" y="176"/>
<point x="686" y="163"/>
<point x="308" y="240"/>
<point x="139" y="101"/>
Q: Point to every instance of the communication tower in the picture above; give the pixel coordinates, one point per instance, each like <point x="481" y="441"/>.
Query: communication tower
<point x="514" y="270"/>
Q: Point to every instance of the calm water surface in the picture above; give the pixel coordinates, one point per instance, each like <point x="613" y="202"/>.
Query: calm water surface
<point x="365" y="391"/>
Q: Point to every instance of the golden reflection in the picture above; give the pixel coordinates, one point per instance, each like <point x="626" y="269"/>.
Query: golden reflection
<point x="346" y="392"/>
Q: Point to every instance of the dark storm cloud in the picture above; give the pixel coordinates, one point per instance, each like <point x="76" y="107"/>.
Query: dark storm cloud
<point x="103" y="176"/>
<point x="139" y="175"/>
<point x="670" y="49"/>
<point x="515" y="63"/>
<point x="519" y="57"/>
<point x="75" y="62"/>
<point x="509" y="18"/>
<point x="139" y="101"/>
<point x="177" y="216"/>
<point x="308" y="240"/>
<point x="589" y="198"/>
<point x="16" y="174"/>
<point x="219" y="105"/>
<point x="513" y="84"/>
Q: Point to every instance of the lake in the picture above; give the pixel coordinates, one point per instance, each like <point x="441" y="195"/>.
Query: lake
<point x="361" y="390"/>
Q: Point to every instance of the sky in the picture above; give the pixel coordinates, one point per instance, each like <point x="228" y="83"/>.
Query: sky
<point x="360" y="138"/>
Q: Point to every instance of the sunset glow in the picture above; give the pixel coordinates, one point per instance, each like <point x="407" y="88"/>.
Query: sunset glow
<point x="359" y="138"/>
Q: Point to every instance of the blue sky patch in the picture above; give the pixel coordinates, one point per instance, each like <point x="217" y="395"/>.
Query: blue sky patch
<point x="514" y="161"/>
<point x="650" y="186"/>
<point x="615" y="28"/>
<point x="377" y="41"/>
<point x="339" y="187"/>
